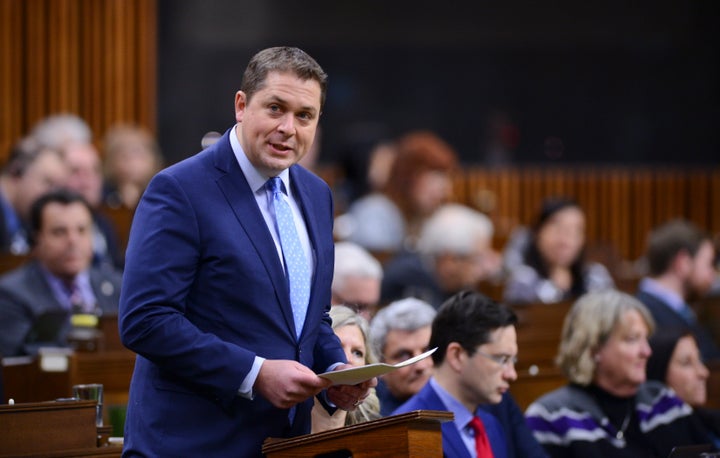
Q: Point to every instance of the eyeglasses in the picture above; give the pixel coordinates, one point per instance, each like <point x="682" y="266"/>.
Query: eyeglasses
<point x="503" y="360"/>
<point x="359" y="307"/>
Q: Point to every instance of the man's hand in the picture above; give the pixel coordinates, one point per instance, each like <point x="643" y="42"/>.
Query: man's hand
<point x="285" y="383"/>
<point x="348" y="397"/>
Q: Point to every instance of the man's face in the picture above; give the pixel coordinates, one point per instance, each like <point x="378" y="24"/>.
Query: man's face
<point x="483" y="380"/>
<point x="85" y="172"/>
<point x="702" y="272"/>
<point x="46" y="173"/>
<point x="456" y="272"/>
<point x="277" y="126"/>
<point x="361" y="294"/>
<point x="399" y="346"/>
<point x="64" y="242"/>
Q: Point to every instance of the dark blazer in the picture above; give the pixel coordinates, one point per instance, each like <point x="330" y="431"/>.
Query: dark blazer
<point x="4" y="235"/>
<point x="204" y="292"/>
<point x="666" y="317"/>
<point x="31" y="316"/>
<point x="452" y="443"/>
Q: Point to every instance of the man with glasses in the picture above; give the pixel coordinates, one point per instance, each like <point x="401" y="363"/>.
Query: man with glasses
<point x="474" y="364"/>
<point x="356" y="279"/>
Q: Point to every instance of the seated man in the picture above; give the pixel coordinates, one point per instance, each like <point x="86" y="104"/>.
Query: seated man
<point x="400" y="331"/>
<point x="356" y="279"/>
<point x="38" y="299"/>
<point x="680" y="262"/>
<point x="474" y="364"/>
<point x="454" y="252"/>
<point x="30" y="171"/>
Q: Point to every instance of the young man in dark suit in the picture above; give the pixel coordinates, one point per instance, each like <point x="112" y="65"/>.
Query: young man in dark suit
<point x="474" y="365"/>
<point x="681" y="268"/>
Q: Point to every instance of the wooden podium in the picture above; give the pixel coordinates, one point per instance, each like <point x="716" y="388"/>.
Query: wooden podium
<point x="414" y="434"/>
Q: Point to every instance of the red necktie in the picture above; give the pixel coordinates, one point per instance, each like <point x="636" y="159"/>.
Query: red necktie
<point x="482" y="444"/>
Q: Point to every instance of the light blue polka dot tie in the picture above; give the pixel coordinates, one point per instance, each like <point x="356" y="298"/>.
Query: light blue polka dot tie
<point x="296" y="265"/>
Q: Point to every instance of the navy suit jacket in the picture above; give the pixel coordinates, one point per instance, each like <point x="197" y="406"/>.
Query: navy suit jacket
<point x="666" y="317"/>
<point x="204" y="292"/>
<point x="31" y="316"/>
<point x="452" y="444"/>
<point x="519" y="439"/>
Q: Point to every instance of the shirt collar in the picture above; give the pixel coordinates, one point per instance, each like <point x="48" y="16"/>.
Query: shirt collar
<point x="61" y="289"/>
<point x="462" y="415"/>
<point x="255" y="179"/>
<point x="651" y="286"/>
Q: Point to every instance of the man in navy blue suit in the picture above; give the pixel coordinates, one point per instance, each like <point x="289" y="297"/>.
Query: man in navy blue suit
<point x="474" y="364"/>
<point x="680" y="265"/>
<point x="227" y="353"/>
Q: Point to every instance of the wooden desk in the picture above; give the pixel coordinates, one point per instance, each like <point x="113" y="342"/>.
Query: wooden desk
<point x="51" y="429"/>
<point x="528" y="387"/>
<point x="539" y="330"/>
<point x="26" y="380"/>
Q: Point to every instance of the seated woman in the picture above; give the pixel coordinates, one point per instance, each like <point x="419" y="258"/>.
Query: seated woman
<point x="419" y="181"/>
<point x="132" y="158"/>
<point x="676" y="362"/>
<point x="553" y="266"/>
<point x="352" y="329"/>
<point x="608" y="409"/>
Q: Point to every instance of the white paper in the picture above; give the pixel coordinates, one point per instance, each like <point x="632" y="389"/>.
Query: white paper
<point x="356" y="375"/>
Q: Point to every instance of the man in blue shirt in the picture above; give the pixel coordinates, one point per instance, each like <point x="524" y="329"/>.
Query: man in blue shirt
<point x="474" y="364"/>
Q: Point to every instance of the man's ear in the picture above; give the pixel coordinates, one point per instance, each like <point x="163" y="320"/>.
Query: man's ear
<point x="682" y="263"/>
<point x="240" y="103"/>
<point x="455" y="356"/>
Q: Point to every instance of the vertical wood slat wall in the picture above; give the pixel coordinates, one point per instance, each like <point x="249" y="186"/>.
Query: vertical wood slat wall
<point x="94" y="58"/>
<point x="622" y="203"/>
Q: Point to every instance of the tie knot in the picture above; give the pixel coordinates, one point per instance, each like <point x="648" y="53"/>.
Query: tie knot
<point x="276" y="185"/>
<point x="477" y="425"/>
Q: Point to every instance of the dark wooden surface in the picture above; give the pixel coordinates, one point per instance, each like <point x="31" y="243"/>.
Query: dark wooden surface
<point x="51" y="429"/>
<point x="413" y="434"/>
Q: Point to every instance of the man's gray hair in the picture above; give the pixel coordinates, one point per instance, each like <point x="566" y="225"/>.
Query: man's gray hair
<point x="588" y="325"/>
<point x="408" y="314"/>
<point x="352" y="260"/>
<point x="59" y="130"/>
<point x="454" y="228"/>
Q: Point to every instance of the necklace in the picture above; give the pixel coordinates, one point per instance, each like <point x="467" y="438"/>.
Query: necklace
<point x="620" y="435"/>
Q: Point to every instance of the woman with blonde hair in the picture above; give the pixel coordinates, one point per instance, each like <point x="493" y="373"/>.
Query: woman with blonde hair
<point x="352" y="330"/>
<point x="608" y="408"/>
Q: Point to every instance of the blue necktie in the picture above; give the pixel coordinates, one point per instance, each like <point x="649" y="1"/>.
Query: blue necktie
<point x="296" y="265"/>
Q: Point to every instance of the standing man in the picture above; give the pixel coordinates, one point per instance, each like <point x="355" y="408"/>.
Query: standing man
<point x="474" y="365"/>
<point x="227" y="280"/>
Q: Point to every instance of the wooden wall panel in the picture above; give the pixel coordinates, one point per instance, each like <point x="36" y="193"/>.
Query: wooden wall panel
<point x="12" y="72"/>
<point x="94" y="58"/>
<point x="622" y="204"/>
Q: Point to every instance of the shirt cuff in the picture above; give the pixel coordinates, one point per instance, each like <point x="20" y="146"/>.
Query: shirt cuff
<point x="246" y="388"/>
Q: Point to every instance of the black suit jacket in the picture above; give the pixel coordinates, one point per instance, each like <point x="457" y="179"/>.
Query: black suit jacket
<point x="31" y="316"/>
<point x="666" y="317"/>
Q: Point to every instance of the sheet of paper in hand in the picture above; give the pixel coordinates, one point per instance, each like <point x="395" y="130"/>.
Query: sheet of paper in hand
<point x="356" y="375"/>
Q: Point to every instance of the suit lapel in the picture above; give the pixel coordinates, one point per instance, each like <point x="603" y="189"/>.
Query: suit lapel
<point x="453" y="444"/>
<point x="241" y="200"/>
